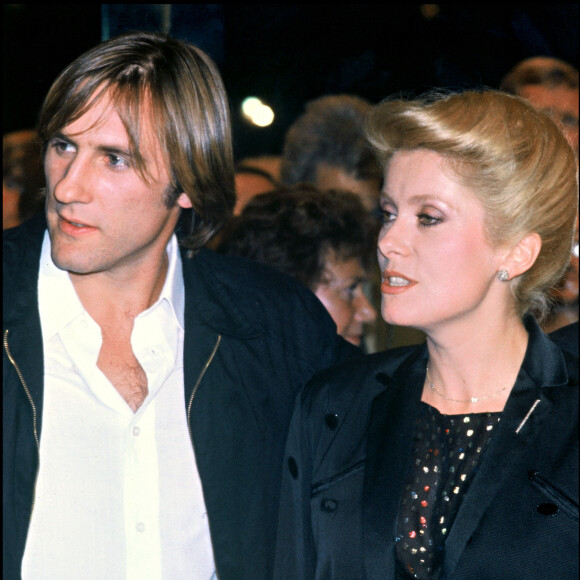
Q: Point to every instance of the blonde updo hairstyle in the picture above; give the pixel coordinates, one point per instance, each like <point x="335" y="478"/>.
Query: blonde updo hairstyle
<point x="515" y="160"/>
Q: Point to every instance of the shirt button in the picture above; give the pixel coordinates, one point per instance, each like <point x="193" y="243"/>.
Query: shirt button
<point x="136" y="431"/>
<point x="140" y="527"/>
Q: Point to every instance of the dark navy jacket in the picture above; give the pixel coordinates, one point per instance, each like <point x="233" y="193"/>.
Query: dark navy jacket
<point x="253" y="337"/>
<point x="349" y="450"/>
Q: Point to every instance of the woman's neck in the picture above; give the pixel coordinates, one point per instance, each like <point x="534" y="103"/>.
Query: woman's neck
<point x="470" y="373"/>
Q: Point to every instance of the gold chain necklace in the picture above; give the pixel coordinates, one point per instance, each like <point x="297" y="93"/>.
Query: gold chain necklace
<point x="470" y="400"/>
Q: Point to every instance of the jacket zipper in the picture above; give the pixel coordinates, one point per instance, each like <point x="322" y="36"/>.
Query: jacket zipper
<point x="203" y="371"/>
<point x="34" y="426"/>
<point x="27" y="391"/>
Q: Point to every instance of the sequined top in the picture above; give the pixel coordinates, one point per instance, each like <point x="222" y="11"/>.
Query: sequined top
<point x="447" y="451"/>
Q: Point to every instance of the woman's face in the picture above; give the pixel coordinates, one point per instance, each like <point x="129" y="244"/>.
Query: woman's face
<point x="436" y="262"/>
<point x="342" y="293"/>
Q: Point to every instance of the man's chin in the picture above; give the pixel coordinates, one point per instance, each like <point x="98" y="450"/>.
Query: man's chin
<point x="71" y="265"/>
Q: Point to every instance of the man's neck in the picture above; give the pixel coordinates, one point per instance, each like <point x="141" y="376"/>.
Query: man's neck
<point x="108" y="297"/>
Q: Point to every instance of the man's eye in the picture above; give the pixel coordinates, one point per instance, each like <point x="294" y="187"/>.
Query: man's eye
<point x="569" y="121"/>
<point x="117" y="161"/>
<point x="62" y="147"/>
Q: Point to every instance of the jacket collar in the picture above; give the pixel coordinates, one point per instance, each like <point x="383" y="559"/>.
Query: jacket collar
<point x="220" y="296"/>
<point x="22" y="247"/>
<point x="544" y="361"/>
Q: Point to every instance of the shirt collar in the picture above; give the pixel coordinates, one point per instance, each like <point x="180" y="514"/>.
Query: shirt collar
<point x="59" y="304"/>
<point x="173" y="289"/>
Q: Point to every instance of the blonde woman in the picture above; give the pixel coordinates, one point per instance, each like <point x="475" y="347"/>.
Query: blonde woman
<point x="456" y="459"/>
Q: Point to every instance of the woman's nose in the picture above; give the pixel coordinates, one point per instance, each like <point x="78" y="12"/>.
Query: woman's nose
<point x="392" y="239"/>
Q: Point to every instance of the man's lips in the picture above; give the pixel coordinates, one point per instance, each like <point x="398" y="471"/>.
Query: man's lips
<point x="395" y="283"/>
<point x="74" y="227"/>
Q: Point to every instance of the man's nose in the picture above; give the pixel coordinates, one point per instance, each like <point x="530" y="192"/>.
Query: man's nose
<point x="72" y="185"/>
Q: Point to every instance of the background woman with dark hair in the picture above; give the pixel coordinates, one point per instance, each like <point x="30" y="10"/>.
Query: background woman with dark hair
<point x="325" y="239"/>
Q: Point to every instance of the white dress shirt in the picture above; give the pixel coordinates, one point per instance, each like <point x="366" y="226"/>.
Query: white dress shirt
<point x="118" y="494"/>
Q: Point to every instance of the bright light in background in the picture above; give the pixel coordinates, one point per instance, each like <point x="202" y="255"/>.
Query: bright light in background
<point x="257" y="112"/>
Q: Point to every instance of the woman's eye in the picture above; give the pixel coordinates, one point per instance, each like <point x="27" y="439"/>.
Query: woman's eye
<point x="347" y="294"/>
<point x="428" y="220"/>
<point x="353" y="290"/>
<point x="387" y="216"/>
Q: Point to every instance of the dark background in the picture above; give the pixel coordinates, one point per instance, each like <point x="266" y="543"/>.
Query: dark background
<point x="288" y="54"/>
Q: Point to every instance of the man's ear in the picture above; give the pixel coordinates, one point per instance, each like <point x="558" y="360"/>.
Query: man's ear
<point x="183" y="201"/>
<point x="521" y="257"/>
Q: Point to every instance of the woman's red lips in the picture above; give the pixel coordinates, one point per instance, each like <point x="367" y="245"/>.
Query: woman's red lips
<point x="395" y="283"/>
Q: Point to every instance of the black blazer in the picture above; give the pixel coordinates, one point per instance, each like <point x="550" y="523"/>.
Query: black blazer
<point x="349" y="448"/>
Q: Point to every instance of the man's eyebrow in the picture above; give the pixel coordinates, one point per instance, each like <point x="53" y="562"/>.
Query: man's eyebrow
<point x="109" y="149"/>
<point x="61" y="135"/>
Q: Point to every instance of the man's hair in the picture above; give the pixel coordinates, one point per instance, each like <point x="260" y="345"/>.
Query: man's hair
<point x="182" y="88"/>
<point x="297" y="229"/>
<point x="539" y="70"/>
<point x="511" y="156"/>
<point x="329" y="131"/>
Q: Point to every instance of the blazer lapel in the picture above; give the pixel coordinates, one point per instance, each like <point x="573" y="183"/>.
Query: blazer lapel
<point x="513" y="446"/>
<point x="389" y="442"/>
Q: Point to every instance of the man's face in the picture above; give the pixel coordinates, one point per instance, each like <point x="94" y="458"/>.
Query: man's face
<point x="561" y="103"/>
<point x="103" y="216"/>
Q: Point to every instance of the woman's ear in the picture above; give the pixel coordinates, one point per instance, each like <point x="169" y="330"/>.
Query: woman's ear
<point x="522" y="256"/>
<point x="183" y="201"/>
